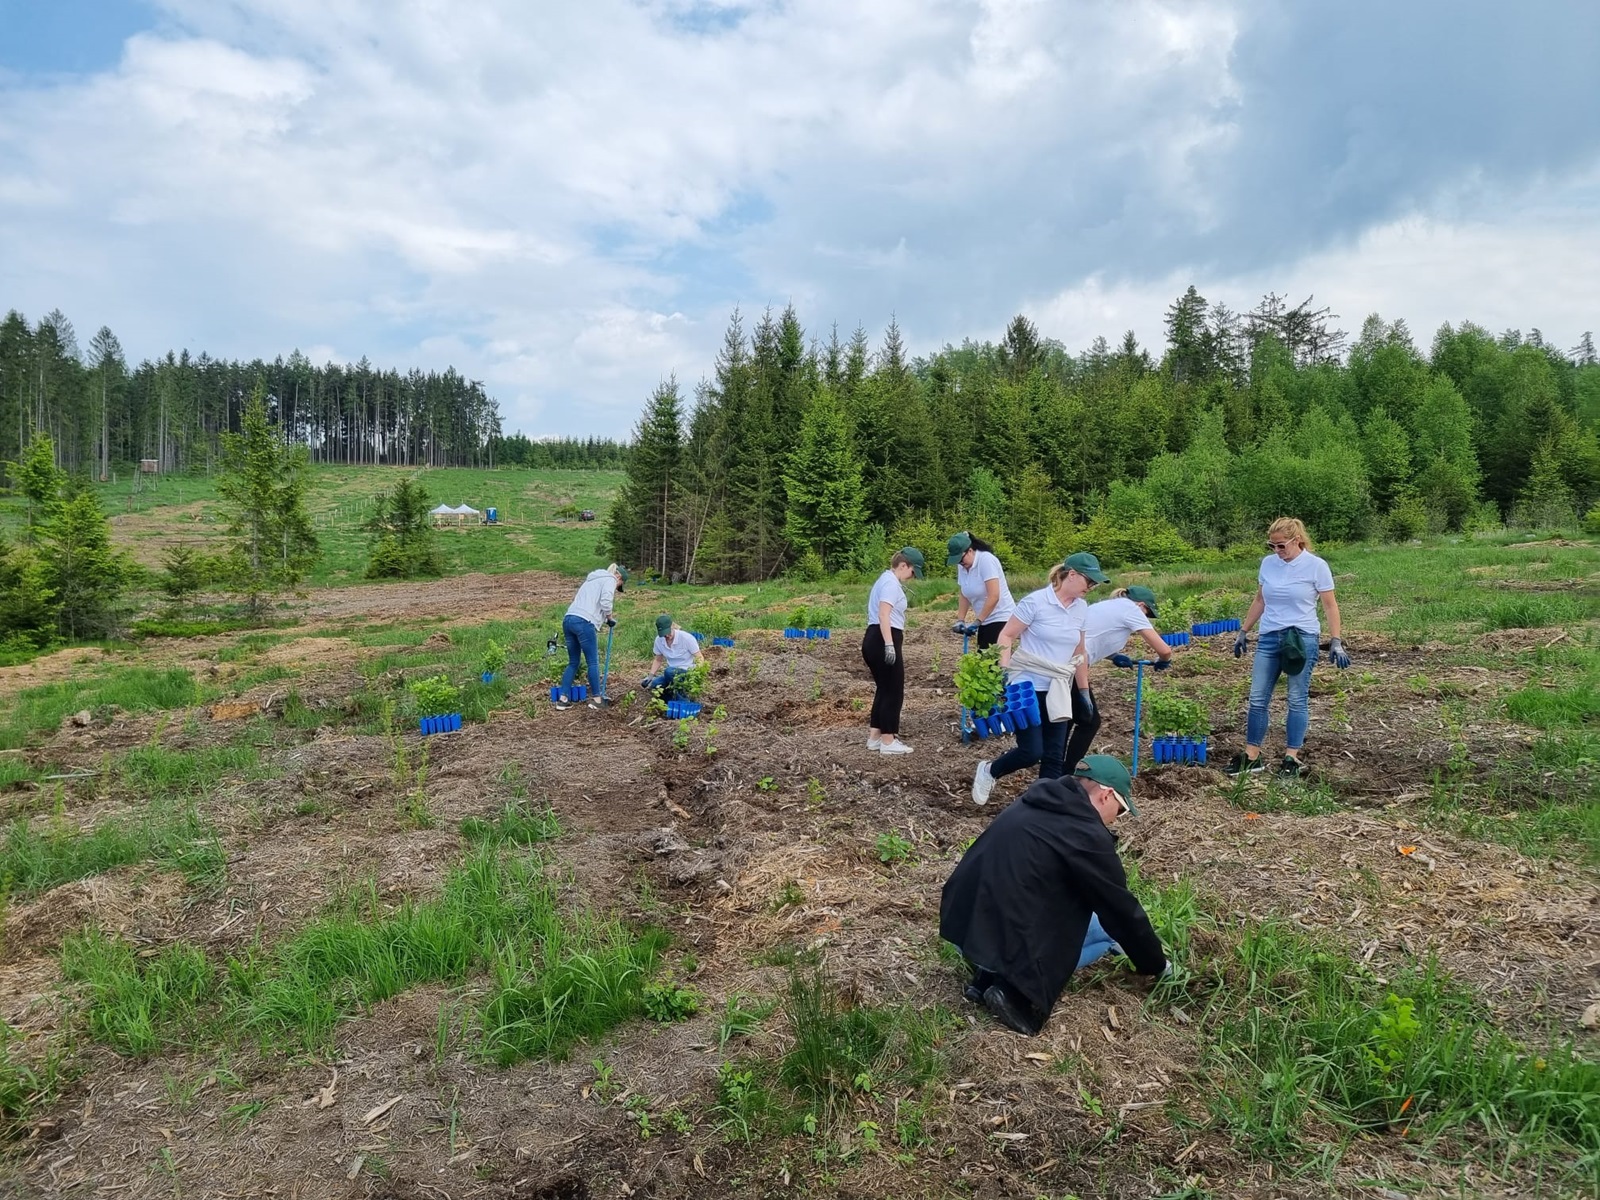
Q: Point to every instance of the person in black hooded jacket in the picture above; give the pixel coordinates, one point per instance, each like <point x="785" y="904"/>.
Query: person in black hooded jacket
<point x="1022" y="898"/>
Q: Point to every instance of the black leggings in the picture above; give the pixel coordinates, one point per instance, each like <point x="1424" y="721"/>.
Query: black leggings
<point x="1083" y="732"/>
<point x="989" y="634"/>
<point x="891" y="681"/>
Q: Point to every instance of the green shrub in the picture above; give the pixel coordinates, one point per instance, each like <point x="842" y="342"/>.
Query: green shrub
<point x="668" y="1003"/>
<point x="979" y="681"/>
<point x="692" y="683"/>
<point x="436" y="696"/>
<point x="1167" y="712"/>
<point x="1591" y="521"/>
<point x="494" y="657"/>
<point x="713" y="620"/>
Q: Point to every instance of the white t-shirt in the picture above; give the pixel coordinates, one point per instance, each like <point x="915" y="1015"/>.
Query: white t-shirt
<point x="1053" y="630"/>
<point x="1290" y="591"/>
<point x="680" y="653"/>
<point x="594" y="599"/>
<point x="974" y="583"/>
<point x="1110" y="624"/>
<point x="887" y="588"/>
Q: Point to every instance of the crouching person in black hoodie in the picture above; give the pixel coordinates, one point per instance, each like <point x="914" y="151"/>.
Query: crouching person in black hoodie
<point x="1024" y="896"/>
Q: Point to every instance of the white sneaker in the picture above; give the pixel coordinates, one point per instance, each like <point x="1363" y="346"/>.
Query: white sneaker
<point x="982" y="784"/>
<point x="895" y="747"/>
<point x="874" y="743"/>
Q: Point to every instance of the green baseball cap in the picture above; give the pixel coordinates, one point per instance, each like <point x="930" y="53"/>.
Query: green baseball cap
<point x="1109" y="772"/>
<point x="1087" y="565"/>
<point x="623" y="573"/>
<point x="1144" y="596"/>
<point x="914" y="557"/>
<point x="664" y="624"/>
<point x="957" y="546"/>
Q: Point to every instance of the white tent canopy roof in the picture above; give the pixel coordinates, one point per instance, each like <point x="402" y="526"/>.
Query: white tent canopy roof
<point x="460" y="510"/>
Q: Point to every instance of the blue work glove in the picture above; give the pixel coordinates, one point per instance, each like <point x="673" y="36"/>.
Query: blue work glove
<point x="1086" y="704"/>
<point x="1121" y="660"/>
<point x="1241" y="642"/>
<point x="959" y="627"/>
<point x="1163" y="663"/>
<point x="1337" y="655"/>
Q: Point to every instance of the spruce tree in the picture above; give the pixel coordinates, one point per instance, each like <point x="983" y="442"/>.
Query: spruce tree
<point x="826" y="502"/>
<point x="82" y="570"/>
<point x="263" y="483"/>
<point x="403" y="540"/>
<point x="644" y="519"/>
<point x="39" y="479"/>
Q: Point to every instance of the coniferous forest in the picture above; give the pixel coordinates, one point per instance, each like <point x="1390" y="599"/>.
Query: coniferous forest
<point x="103" y="415"/>
<point x="816" y="454"/>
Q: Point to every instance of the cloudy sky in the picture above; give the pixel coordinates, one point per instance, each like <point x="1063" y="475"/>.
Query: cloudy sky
<point x="567" y="200"/>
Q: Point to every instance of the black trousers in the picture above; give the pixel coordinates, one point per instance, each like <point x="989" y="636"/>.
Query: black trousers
<point x="891" y="681"/>
<point x="1083" y="732"/>
<point x="989" y="634"/>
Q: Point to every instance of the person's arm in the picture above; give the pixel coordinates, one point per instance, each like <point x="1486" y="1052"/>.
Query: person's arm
<point x="962" y="608"/>
<point x="1330" y="608"/>
<point x="1013" y="630"/>
<point x="657" y="664"/>
<point x="1253" y="613"/>
<point x="991" y="599"/>
<point x="1156" y="643"/>
<point x="1082" y="654"/>
<point x="1105" y="886"/>
<point x="699" y="654"/>
<point x="608" y="595"/>
<point x="885" y="625"/>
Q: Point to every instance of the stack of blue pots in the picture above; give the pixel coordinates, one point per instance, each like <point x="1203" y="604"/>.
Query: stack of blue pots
<point x="1175" y="639"/>
<point x="1018" y="709"/>
<point x="1212" y="628"/>
<point x="575" y="693"/>
<point x="448" y="723"/>
<point x="1171" y="748"/>
<point x="678" y="710"/>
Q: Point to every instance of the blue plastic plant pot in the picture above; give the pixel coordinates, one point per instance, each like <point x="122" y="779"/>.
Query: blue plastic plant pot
<point x="699" y="637"/>
<point x="488" y="677"/>
<point x="1202" y="748"/>
<point x="557" y="696"/>
<point x="455" y="721"/>
<point x="422" y="726"/>
<point x="580" y="691"/>
<point x="823" y="633"/>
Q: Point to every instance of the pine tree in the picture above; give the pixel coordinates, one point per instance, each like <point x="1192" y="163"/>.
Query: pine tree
<point x="1545" y="501"/>
<point x="263" y="482"/>
<point x="403" y="540"/>
<point x="645" y="515"/>
<point x="826" y="510"/>
<point x="39" y="479"/>
<point x="1387" y="452"/>
<point x="27" y="601"/>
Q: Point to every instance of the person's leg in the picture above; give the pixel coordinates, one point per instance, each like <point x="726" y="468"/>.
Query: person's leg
<point x="669" y="690"/>
<point x="1083" y="733"/>
<point x="1264" y="671"/>
<point x="989" y="634"/>
<point x="1097" y="944"/>
<point x="1299" y="715"/>
<point x="872" y="654"/>
<point x="1053" y="748"/>
<point x="569" y="634"/>
<point x="893" y="691"/>
<point x="1028" y="750"/>
<point x="588" y="637"/>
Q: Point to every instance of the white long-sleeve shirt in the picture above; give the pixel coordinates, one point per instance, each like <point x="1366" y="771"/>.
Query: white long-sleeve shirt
<point x="594" y="599"/>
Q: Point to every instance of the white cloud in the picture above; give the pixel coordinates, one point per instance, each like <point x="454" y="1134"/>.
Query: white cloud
<point x="566" y="201"/>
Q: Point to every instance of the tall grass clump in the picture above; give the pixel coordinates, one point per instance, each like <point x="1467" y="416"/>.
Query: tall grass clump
<point x="152" y="771"/>
<point x="37" y="857"/>
<point x="138" y="1006"/>
<point x="25" y="1085"/>
<point x="516" y="823"/>
<point x="134" y="689"/>
<point x="1300" y="1039"/>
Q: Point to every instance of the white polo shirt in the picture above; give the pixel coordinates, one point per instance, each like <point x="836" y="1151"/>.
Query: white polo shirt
<point x="974" y="585"/>
<point x="680" y="652"/>
<point x="887" y="588"/>
<point x="1289" y="590"/>
<point x="1053" y="630"/>
<point x="1110" y="624"/>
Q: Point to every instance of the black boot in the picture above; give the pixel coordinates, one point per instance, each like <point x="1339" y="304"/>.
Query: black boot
<point x="1012" y="1011"/>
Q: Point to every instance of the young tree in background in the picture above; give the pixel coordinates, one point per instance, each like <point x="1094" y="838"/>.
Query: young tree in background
<point x="263" y="482"/>
<point x="82" y="570"/>
<point x="826" y="502"/>
<point x="39" y="479"/>
<point x="401" y="527"/>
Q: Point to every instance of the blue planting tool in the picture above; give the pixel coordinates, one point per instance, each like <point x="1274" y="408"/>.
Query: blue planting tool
<point x="1138" y="707"/>
<point x="966" y="713"/>
<point x="605" y="671"/>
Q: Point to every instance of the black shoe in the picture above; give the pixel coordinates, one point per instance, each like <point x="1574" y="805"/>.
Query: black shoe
<point x="1011" y="1011"/>
<point x="1241" y="764"/>
<point x="972" y="994"/>
<point x="981" y="980"/>
<point x="1291" y="767"/>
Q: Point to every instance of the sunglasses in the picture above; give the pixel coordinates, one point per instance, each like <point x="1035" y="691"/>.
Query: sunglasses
<point x="1279" y="545"/>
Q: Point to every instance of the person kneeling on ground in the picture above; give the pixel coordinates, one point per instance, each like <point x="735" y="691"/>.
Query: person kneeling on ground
<point x="1023" y="902"/>
<point x="676" y="652"/>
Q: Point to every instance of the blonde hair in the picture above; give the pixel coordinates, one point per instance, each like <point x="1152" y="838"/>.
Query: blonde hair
<point x="1290" y="527"/>
<point x="1058" y="573"/>
<point x="1119" y="594"/>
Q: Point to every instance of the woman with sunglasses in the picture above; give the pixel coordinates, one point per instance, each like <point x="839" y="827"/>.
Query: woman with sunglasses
<point x="1291" y="582"/>
<point x="981" y="580"/>
<point x="1049" y="626"/>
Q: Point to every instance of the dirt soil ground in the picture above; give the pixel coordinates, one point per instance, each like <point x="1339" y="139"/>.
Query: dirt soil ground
<point x="709" y="844"/>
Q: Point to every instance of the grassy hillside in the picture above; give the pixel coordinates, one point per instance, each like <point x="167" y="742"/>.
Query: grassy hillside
<point x="150" y="514"/>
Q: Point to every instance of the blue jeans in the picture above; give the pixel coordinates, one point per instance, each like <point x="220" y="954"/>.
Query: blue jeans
<point x="581" y="638"/>
<point x="1097" y="944"/>
<point x="1264" y="673"/>
<point x="1045" y="744"/>
<point x="663" y="681"/>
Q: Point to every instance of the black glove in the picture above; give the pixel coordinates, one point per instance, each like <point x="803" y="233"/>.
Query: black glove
<point x="644" y="684"/>
<point x="889" y="654"/>
<point x="959" y="627"/>
<point x="1337" y="655"/>
<point x="611" y="622"/>
<point x="1086" y="704"/>
<point x="1121" y="660"/>
<point x="1163" y="663"/>
<point x="1241" y="642"/>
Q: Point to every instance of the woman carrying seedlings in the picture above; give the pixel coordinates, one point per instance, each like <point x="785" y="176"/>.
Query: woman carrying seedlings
<point x="882" y="645"/>
<point x="1047" y="631"/>
<point x="1291" y="582"/>
<point x="1106" y="631"/>
<point x="675" y="653"/>
<point x="982" y="583"/>
<point x="589" y="610"/>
